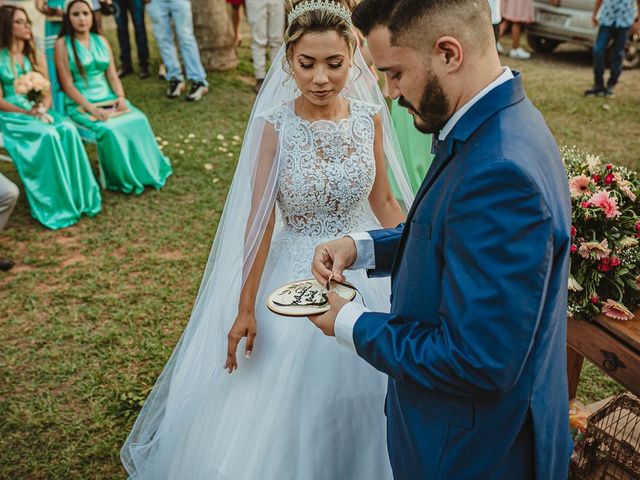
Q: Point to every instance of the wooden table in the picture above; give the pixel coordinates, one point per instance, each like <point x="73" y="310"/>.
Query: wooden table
<point x="612" y="345"/>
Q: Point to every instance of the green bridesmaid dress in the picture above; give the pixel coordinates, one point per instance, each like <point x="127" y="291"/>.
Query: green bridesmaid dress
<point x="51" y="31"/>
<point x="415" y="145"/>
<point x="50" y="158"/>
<point x="127" y="149"/>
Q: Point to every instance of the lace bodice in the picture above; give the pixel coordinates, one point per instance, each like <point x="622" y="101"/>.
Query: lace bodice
<point x="327" y="170"/>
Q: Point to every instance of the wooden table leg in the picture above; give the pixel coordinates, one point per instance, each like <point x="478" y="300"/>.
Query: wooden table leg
<point x="574" y="367"/>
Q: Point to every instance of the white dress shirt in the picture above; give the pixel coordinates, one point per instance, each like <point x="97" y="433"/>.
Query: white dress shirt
<point x="350" y="313"/>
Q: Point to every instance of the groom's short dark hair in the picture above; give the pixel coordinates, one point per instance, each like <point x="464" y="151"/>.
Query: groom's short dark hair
<point x="412" y="22"/>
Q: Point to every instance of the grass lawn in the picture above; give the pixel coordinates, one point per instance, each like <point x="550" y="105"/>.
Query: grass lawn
<point x="91" y="313"/>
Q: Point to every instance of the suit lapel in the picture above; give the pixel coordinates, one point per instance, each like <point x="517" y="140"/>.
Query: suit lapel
<point x="441" y="160"/>
<point x="501" y="97"/>
<point x="443" y="156"/>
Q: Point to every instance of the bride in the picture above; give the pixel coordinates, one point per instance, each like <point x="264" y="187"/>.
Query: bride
<point x="313" y="167"/>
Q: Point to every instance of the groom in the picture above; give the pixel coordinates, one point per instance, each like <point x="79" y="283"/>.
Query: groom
<point x="474" y="345"/>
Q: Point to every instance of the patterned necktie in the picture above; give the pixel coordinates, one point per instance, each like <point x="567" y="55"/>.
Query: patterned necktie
<point x="435" y="144"/>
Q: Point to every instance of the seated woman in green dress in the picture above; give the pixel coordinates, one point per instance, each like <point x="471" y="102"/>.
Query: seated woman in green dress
<point x="52" y="9"/>
<point x="45" y="147"/>
<point x="129" y="156"/>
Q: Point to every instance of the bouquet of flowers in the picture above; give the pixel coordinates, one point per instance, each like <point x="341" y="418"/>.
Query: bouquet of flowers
<point x="605" y="252"/>
<point x="34" y="87"/>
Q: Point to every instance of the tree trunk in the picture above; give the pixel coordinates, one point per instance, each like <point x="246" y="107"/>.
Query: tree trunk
<point x="214" y="32"/>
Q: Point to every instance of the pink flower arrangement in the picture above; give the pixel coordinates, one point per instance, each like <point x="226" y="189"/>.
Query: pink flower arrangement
<point x="605" y="233"/>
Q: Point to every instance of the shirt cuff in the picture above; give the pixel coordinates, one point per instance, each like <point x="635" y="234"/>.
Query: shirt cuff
<point x="345" y="321"/>
<point x="366" y="255"/>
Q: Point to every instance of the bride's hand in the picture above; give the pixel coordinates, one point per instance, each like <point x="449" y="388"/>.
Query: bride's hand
<point x="244" y="326"/>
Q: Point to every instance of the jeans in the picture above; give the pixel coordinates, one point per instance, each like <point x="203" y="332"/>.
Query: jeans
<point x="135" y="8"/>
<point x="266" y="18"/>
<point x="619" y="38"/>
<point x="161" y="12"/>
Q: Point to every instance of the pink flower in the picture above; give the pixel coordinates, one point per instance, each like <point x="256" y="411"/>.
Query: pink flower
<point x="637" y="226"/>
<point x="595" y="299"/>
<point x="584" y="204"/>
<point x="609" y="166"/>
<point x="615" y="262"/>
<point x="616" y="310"/>
<point x="579" y="185"/>
<point x="595" y="249"/>
<point x="573" y="231"/>
<point x="596" y="178"/>
<point x="609" y="179"/>
<point x="608" y="205"/>
<point x="574" y="249"/>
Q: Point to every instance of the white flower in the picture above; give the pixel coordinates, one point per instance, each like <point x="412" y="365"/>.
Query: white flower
<point x="627" y="242"/>
<point x="595" y="249"/>
<point x="574" y="285"/>
<point x="593" y="161"/>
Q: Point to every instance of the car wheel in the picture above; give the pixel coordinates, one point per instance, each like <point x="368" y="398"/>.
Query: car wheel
<point x="542" y="44"/>
<point x="632" y="53"/>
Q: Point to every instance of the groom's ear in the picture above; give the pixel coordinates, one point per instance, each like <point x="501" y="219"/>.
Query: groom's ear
<point x="448" y="54"/>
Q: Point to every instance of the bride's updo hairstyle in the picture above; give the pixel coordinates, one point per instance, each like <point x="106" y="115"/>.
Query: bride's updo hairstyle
<point x="317" y="20"/>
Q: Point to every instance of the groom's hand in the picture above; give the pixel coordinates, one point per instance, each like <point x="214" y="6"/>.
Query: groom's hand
<point x="327" y="321"/>
<point x="331" y="258"/>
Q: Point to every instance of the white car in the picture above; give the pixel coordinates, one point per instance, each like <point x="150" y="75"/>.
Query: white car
<point x="570" y="21"/>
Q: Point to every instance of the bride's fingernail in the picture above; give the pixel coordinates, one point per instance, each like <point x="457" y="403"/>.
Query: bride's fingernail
<point x="248" y="354"/>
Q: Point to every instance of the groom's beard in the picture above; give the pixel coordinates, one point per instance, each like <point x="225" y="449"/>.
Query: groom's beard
<point x="433" y="111"/>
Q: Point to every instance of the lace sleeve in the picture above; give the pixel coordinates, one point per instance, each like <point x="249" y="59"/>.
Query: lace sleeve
<point x="365" y="108"/>
<point x="275" y="116"/>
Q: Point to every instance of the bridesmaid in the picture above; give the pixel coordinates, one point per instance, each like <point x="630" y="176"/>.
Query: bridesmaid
<point x="127" y="150"/>
<point x="415" y="145"/>
<point x="53" y="11"/>
<point x="49" y="157"/>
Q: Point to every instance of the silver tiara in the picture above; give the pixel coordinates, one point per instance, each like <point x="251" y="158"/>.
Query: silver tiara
<point x="325" y="5"/>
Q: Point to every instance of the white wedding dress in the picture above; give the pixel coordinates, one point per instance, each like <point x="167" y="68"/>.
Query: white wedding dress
<point x="303" y="407"/>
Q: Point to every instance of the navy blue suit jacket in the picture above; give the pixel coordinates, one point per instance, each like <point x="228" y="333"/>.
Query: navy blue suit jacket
<point x="474" y="345"/>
